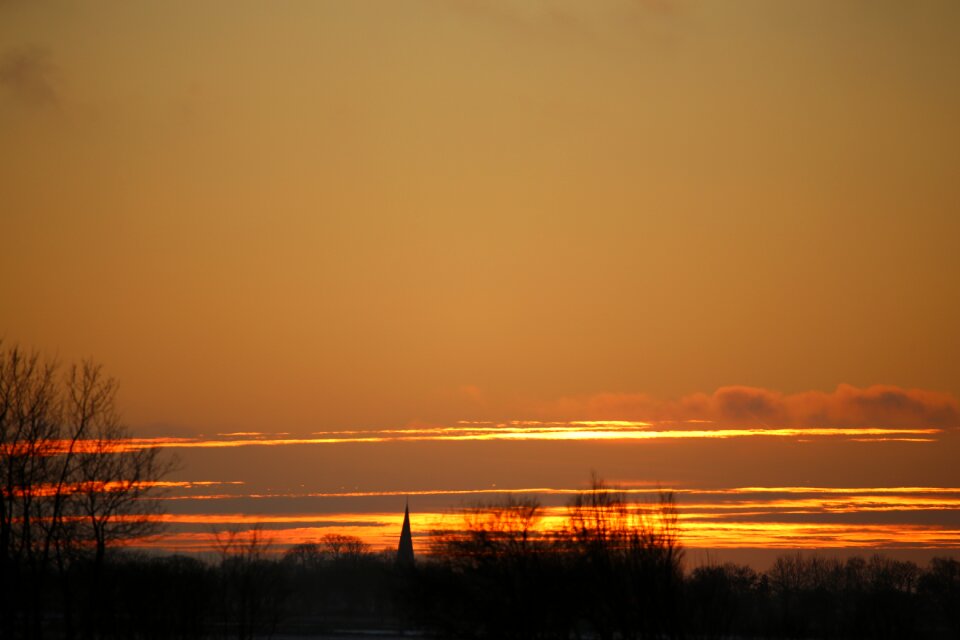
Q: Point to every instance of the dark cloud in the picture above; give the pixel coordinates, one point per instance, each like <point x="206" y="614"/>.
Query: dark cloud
<point x="27" y="74"/>
<point x="846" y="406"/>
<point x="746" y="403"/>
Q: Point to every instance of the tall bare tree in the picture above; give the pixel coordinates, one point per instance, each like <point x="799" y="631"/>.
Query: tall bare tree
<point x="70" y="481"/>
<point x="30" y="405"/>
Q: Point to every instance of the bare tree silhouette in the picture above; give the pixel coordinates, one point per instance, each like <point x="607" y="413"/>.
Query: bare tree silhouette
<point x="67" y="487"/>
<point x="630" y="557"/>
<point x="612" y="570"/>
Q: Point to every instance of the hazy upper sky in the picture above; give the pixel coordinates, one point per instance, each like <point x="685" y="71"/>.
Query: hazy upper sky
<point x="303" y="215"/>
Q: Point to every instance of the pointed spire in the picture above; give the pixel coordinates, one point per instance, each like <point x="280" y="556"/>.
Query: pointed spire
<point x="405" y="549"/>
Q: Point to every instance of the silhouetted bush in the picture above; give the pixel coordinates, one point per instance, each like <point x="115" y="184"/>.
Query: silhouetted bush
<point x="613" y="570"/>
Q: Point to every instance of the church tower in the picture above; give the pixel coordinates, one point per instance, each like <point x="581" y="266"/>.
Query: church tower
<point x="405" y="550"/>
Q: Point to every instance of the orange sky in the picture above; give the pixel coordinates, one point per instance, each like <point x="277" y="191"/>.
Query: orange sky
<point x="310" y="216"/>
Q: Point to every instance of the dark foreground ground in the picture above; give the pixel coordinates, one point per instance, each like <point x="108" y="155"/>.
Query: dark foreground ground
<point x="490" y="589"/>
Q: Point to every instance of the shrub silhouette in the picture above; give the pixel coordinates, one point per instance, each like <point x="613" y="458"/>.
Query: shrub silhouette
<point x="612" y="570"/>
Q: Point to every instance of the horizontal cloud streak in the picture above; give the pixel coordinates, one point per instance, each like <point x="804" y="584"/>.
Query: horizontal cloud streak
<point x="526" y="431"/>
<point x="734" y="517"/>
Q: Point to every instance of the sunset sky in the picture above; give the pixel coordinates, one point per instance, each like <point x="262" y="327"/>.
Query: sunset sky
<point x="301" y="219"/>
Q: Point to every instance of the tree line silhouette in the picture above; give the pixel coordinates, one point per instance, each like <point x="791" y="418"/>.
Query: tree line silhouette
<point x="70" y="497"/>
<point x="607" y="574"/>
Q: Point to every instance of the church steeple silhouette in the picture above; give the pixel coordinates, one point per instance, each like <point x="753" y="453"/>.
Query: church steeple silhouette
<point x="405" y="549"/>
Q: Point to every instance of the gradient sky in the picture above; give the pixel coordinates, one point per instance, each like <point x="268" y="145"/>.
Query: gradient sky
<point x="308" y="216"/>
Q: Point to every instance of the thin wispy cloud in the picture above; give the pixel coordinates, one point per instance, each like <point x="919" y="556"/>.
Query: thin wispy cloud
<point x="725" y="517"/>
<point x="28" y="76"/>
<point x="517" y="432"/>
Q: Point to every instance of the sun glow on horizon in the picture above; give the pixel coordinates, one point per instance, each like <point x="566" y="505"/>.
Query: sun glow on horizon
<point x="730" y="517"/>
